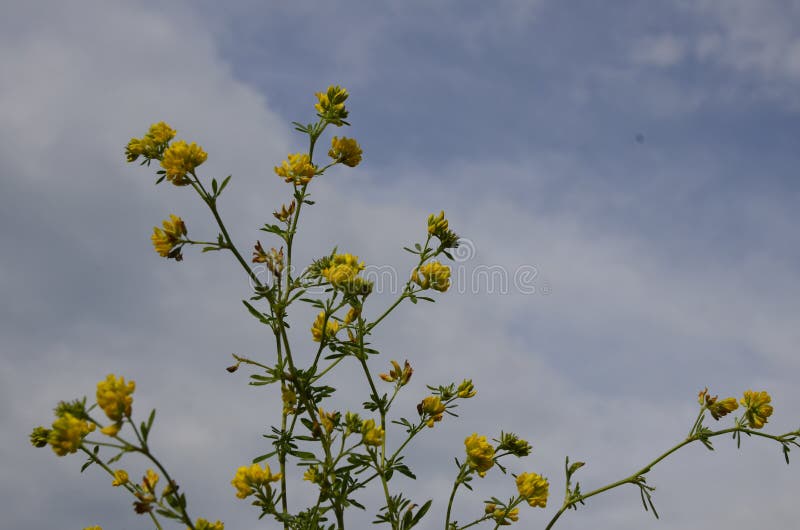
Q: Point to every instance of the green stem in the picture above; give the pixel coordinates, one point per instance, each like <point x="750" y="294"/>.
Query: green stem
<point x="456" y="483"/>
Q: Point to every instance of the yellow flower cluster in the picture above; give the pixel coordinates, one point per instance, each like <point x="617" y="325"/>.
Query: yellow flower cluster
<point x="152" y="144"/>
<point x="328" y="419"/>
<point x="439" y="226"/>
<point x="68" y="433"/>
<point x="330" y="328"/>
<point x="345" y="151"/>
<point x="480" y="454"/>
<point x="432" y="275"/>
<point x="466" y="389"/>
<point x="297" y="169"/>
<point x="289" y="398"/>
<point x="371" y="434"/>
<point x="248" y="479"/>
<point x="93" y="528"/>
<point x="533" y="488"/>
<point x="717" y="408"/>
<point x="342" y="270"/>
<point x="165" y="240"/>
<point x="401" y="375"/>
<point x="149" y="481"/>
<point x="503" y="517"/>
<point x="180" y="159"/>
<point x="202" y="524"/>
<point x="433" y="407"/>
<point x="114" y="397"/>
<point x="330" y="105"/>
<point x="758" y="408"/>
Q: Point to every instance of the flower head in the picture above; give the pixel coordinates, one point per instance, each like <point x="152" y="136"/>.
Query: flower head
<point x="151" y="145"/>
<point x="502" y="516"/>
<point x="329" y="420"/>
<point x="401" y="375"/>
<point x="345" y="151"/>
<point x="533" y="488"/>
<point x="330" y="105"/>
<point x="68" y="433"/>
<point x="180" y="159"/>
<point x="371" y="434"/>
<point x="514" y="444"/>
<point x="167" y="240"/>
<point x="249" y="479"/>
<point x="758" y="408"/>
<point x="39" y="436"/>
<point x="342" y="270"/>
<point x="120" y="478"/>
<point x="480" y="454"/>
<point x="432" y="275"/>
<point x="297" y="169"/>
<point x="331" y="327"/>
<point x="466" y="389"/>
<point x="149" y="481"/>
<point x="439" y="226"/>
<point x="433" y="407"/>
<point x="202" y="524"/>
<point x="114" y="397"/>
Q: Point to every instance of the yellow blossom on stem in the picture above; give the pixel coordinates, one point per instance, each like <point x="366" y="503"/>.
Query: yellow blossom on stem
<point x="371" y="434"/>
<point x="312" y="474"/>
<point x="297" y="169"/>
<point x="120" y="478"/>
<point x="342" y="270"/>
<point x="466" y="389"/>
<point x="181" y="159"/>
<point x="152" y="144"/>
<point x="149" y="481"/>
<point x="330" y="328"/>
<point x="114" y="397"/>
<point x="68" y="433"/>
<point x="289" y="399"/>
<point x="111" y="429"/>
<point x="433" y="407"/>
<point x="285" y="212"/>
<point x="166" y="240"/>
<point x="202" y="524"/>
<point x="330" y="105"/>
<point x="533" y="488"/>
<point x="93" y="528"/>
<point x="503" y="517"/>
<point x="249" y="479"/>
<point x="432" y="275"/>
<point x="401" y="375"/>
<point x="480" y="454"/>
<point x="345" y="151"/>
<point x="328" y="419"/>
<point x="758" y="408"/>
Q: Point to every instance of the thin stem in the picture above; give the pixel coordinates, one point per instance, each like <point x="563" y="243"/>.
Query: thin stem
<point x="456" y="484"/>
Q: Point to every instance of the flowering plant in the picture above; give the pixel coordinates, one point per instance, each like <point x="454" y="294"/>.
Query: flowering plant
<point x="339" y="452"/>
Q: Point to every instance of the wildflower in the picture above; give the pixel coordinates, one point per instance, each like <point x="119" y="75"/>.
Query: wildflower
<point x="68" y="433"/>
<point x="514" y="444"/>
<point x="285" y="212"/>
<point x="152" y="145"/>
<point x="345" y="151"/>
<point x="401" y="375"/>
<point x="502" y="516"/>
<point x="202" y="524"/>
<point x="480" y="454"/>
<point x="312" y="474"/>
<point x="273" y="259"/>
<point x="289" y="399"/>
<point x="248" y="479"/>
<point x="466" y="389"/>
<point x="120" y="478"/>
<point x="329" y="420"/>
<point x="144" y="504"/>
<point x="167" y="241"/>
<point x="353" y="422"/>
<point x="533" y="488"/>
<point x="112" y="429"/>
<point x="433" y="407"/>
<point x="330" y="105"/>
<point x="719" y="409"/>
<point x="297" y="168"/>
<point x="181" y="158"/>
<point x="39" y="436"/>
<point x="758" y="408"/>
<point x="114" y="397"/>
<point x="432" y="275"/>
<point x="352" y="314"/>
<point x="149" y="481"/>
<point x="342" y="269"/>
<point x="439" y="226"/>
<point x="93" y="528"/>
<point x="371" y="433"/>
<point x="331" y="327"/>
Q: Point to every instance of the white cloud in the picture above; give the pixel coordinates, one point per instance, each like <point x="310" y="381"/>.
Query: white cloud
<point x="662" y="51"/>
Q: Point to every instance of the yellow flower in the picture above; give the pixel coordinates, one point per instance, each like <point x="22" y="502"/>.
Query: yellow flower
<point x="330" y="105"/>
<point x="152" y="145"/>
<point x="166" y="241"/>
<point x="120" y="478"/>
<point x="466" y="389"/>
<point x="342" y="270"/>
<point x="503" y="517"/>
<point x="93" y="528"/>
<point x="758" y="408"/>
<point x="289" y="399"/>
<point x="330" y="328"/>
<point x="533" y="488"/>
<point x="371" y="433"/>
<point x="352" y="314"/>
<point x="112" y="429"/>
<point x="68" y="433"/>
<point x="114" y="397"/>
<point x="432" y="275"/>
<point x="434" y="408"/>
<point x="345" y="151"/>
<point x="39" y="436"/>
<point x="149" y="481"/>
<point x="312" y="474"/>
<point x="297" y="168"/>
<point x="401" y="375"/>
<point x="721" y="408"/>
<point x="248" y="479"/>
<point x="202" y="524"/>
<point x="439" y="226"/>
<point x="181" y="158"/>
<point x="480" y="455"/>
<point x="328" y="419"/>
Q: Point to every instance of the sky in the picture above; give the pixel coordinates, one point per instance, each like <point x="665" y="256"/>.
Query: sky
<point x="625" y="173"/>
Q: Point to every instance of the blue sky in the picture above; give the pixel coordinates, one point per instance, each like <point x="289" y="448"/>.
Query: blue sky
<point x="641" y="157"/>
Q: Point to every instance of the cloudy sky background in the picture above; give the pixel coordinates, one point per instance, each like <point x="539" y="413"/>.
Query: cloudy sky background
<point x="641" y="158"/>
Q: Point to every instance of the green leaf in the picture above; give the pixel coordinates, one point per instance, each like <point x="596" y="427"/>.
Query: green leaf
<point x="256" y="313"/>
